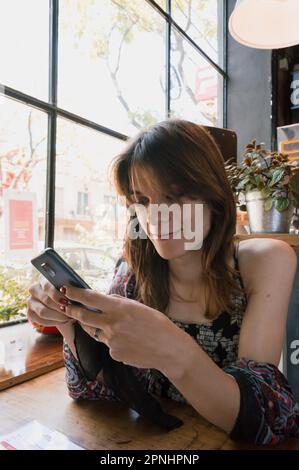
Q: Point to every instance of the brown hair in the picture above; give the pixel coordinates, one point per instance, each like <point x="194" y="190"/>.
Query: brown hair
<point x="183" y="152"/>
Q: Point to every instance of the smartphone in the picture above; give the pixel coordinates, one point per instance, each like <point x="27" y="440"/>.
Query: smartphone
<point x="57" y="271"/>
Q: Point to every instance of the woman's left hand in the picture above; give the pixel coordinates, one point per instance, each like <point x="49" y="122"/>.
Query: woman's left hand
<point x="136" y="334"/>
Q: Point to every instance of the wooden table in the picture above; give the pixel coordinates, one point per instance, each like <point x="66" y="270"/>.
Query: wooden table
<point x="108" y="425"/>
<point x="27" y="354"/>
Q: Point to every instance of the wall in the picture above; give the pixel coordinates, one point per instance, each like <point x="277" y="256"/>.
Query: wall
<point x="248" y="91"/>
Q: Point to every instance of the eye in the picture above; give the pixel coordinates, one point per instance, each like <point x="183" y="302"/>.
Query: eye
<point x="175" y="197"/>
<point x="143" y="201"/>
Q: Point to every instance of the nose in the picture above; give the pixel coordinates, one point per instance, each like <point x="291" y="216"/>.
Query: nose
<point x="159" y="221"/>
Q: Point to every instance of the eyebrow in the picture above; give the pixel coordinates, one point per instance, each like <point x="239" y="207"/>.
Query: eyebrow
<point x="138" y="192"/>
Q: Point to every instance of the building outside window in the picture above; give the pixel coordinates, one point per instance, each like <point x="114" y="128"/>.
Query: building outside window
<point x="82" y="203"/>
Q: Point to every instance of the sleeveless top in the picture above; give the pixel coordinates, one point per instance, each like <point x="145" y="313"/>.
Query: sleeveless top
<point x="219" y="338"/>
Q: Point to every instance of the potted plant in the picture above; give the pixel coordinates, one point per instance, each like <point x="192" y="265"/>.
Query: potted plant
<point x="266" y="184"/>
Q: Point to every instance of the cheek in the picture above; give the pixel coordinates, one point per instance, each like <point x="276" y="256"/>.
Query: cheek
<point x="191" y="217"/>
<point x="142" y="219"/>
<point x="198" y="217"/>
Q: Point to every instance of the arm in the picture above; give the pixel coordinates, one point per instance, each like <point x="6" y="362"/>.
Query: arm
<point x="68" y="333"/>
<point x="78" y="384"/>
<point x="268" y="268"/>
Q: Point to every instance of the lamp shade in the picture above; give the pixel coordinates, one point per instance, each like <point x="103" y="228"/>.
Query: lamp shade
<point x="265" y="24"/>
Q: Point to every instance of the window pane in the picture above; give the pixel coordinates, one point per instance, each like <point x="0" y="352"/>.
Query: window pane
<point x="88" y="231"/>
<point x="23" y="133"/>
<point x="196" y="86"/>
<point x="161" y="3"/>
<point x="24" y="46"/>
<point x="106" y="72"/>
<point x="202" y="21"/>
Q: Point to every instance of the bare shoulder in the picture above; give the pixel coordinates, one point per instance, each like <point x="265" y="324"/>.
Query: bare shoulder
<point x="262" y="259"/>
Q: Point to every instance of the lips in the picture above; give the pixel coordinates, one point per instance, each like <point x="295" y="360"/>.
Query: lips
<point x="160" y="235"/>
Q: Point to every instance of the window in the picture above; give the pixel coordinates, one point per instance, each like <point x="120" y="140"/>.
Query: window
<point x="59" y="198"/>
<point x="196" y="86"/>
<point x="200" y="21"/>
<point x="119" y="85"/>
<point x="90" y="206"/>
<point x="23" y="134"/>
<point x="77" y="78"/>
<point x="24" y="45"/>
<point x="82" y="203"/>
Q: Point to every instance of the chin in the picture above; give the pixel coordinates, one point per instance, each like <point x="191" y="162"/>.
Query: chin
<point x="169" y="249"/>
<point x="173" y="249"/>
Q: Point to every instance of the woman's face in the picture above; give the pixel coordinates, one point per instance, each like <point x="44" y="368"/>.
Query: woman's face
<point x="184" y="227"/>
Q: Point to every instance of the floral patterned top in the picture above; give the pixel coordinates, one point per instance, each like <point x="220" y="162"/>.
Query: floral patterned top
<point x="268" y="411"/>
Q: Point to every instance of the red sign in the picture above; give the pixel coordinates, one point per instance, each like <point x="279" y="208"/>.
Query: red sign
<point x="20" y="224"/>
<point x="205" y="84"/>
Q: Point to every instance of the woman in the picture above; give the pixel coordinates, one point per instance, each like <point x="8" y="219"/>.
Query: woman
<point x="203" y="326"/>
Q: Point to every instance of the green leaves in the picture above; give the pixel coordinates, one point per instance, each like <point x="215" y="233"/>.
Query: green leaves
<point x="268" y="204"/>
<point x="277" y="176"/>
<point x="281" y="204"/>
<point x="14" y="296"/>
<point x="271" y="173"/>
<point x="296" y="202"/>
<point x="294" y="184"/>
<point x="266" y="192"/>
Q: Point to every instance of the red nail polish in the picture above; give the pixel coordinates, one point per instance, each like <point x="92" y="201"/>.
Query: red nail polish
<point x="63" y="301"/>
<point x="62" y="307"/>
<point x="62" y="290"/>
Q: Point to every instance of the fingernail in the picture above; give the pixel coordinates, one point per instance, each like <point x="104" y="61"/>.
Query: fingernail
<point x="62" y="290"/>
<point x="62" y="307"/>
<point x="63" y="301"/>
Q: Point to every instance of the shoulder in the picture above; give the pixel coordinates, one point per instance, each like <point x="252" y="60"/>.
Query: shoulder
<point x="261" y="260"/>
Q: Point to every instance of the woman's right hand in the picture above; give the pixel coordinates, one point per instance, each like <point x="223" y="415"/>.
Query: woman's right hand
<point x="43" y="305"/>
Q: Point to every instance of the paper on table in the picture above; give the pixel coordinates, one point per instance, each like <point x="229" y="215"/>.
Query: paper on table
<point x="35" y="436"/>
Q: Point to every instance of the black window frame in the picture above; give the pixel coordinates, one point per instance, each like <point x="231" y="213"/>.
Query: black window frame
<point x="51" y="108"/>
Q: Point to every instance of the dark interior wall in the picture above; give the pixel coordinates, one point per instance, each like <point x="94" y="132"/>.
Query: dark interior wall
<point x="248" y="91"/>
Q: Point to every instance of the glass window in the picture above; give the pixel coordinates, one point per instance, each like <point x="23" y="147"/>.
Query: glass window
<point x="23" y="134"/>
<point x="161" y="3"/>
<point x="196" y="86"/>
<point x="106" y="73"/>
<point x="90" y="224"/>
<point x="112" y="71"/>
<point x="82" y="203"/>
<point x="202" y="21"/>
<point x="24" y="46"/>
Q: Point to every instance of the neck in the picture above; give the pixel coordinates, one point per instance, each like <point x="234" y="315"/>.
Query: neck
<point x="186" y="270"/>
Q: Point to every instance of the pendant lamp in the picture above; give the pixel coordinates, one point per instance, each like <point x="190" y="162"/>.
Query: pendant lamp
<point x="265" y="24"/>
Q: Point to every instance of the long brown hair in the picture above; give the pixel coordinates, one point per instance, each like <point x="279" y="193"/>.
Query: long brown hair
<point x="183" y="152"/>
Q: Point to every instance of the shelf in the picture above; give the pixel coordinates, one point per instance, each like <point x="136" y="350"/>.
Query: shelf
<point x="290" y="238"/>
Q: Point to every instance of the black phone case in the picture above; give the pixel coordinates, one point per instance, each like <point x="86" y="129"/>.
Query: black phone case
<point x="58" y="272"/>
